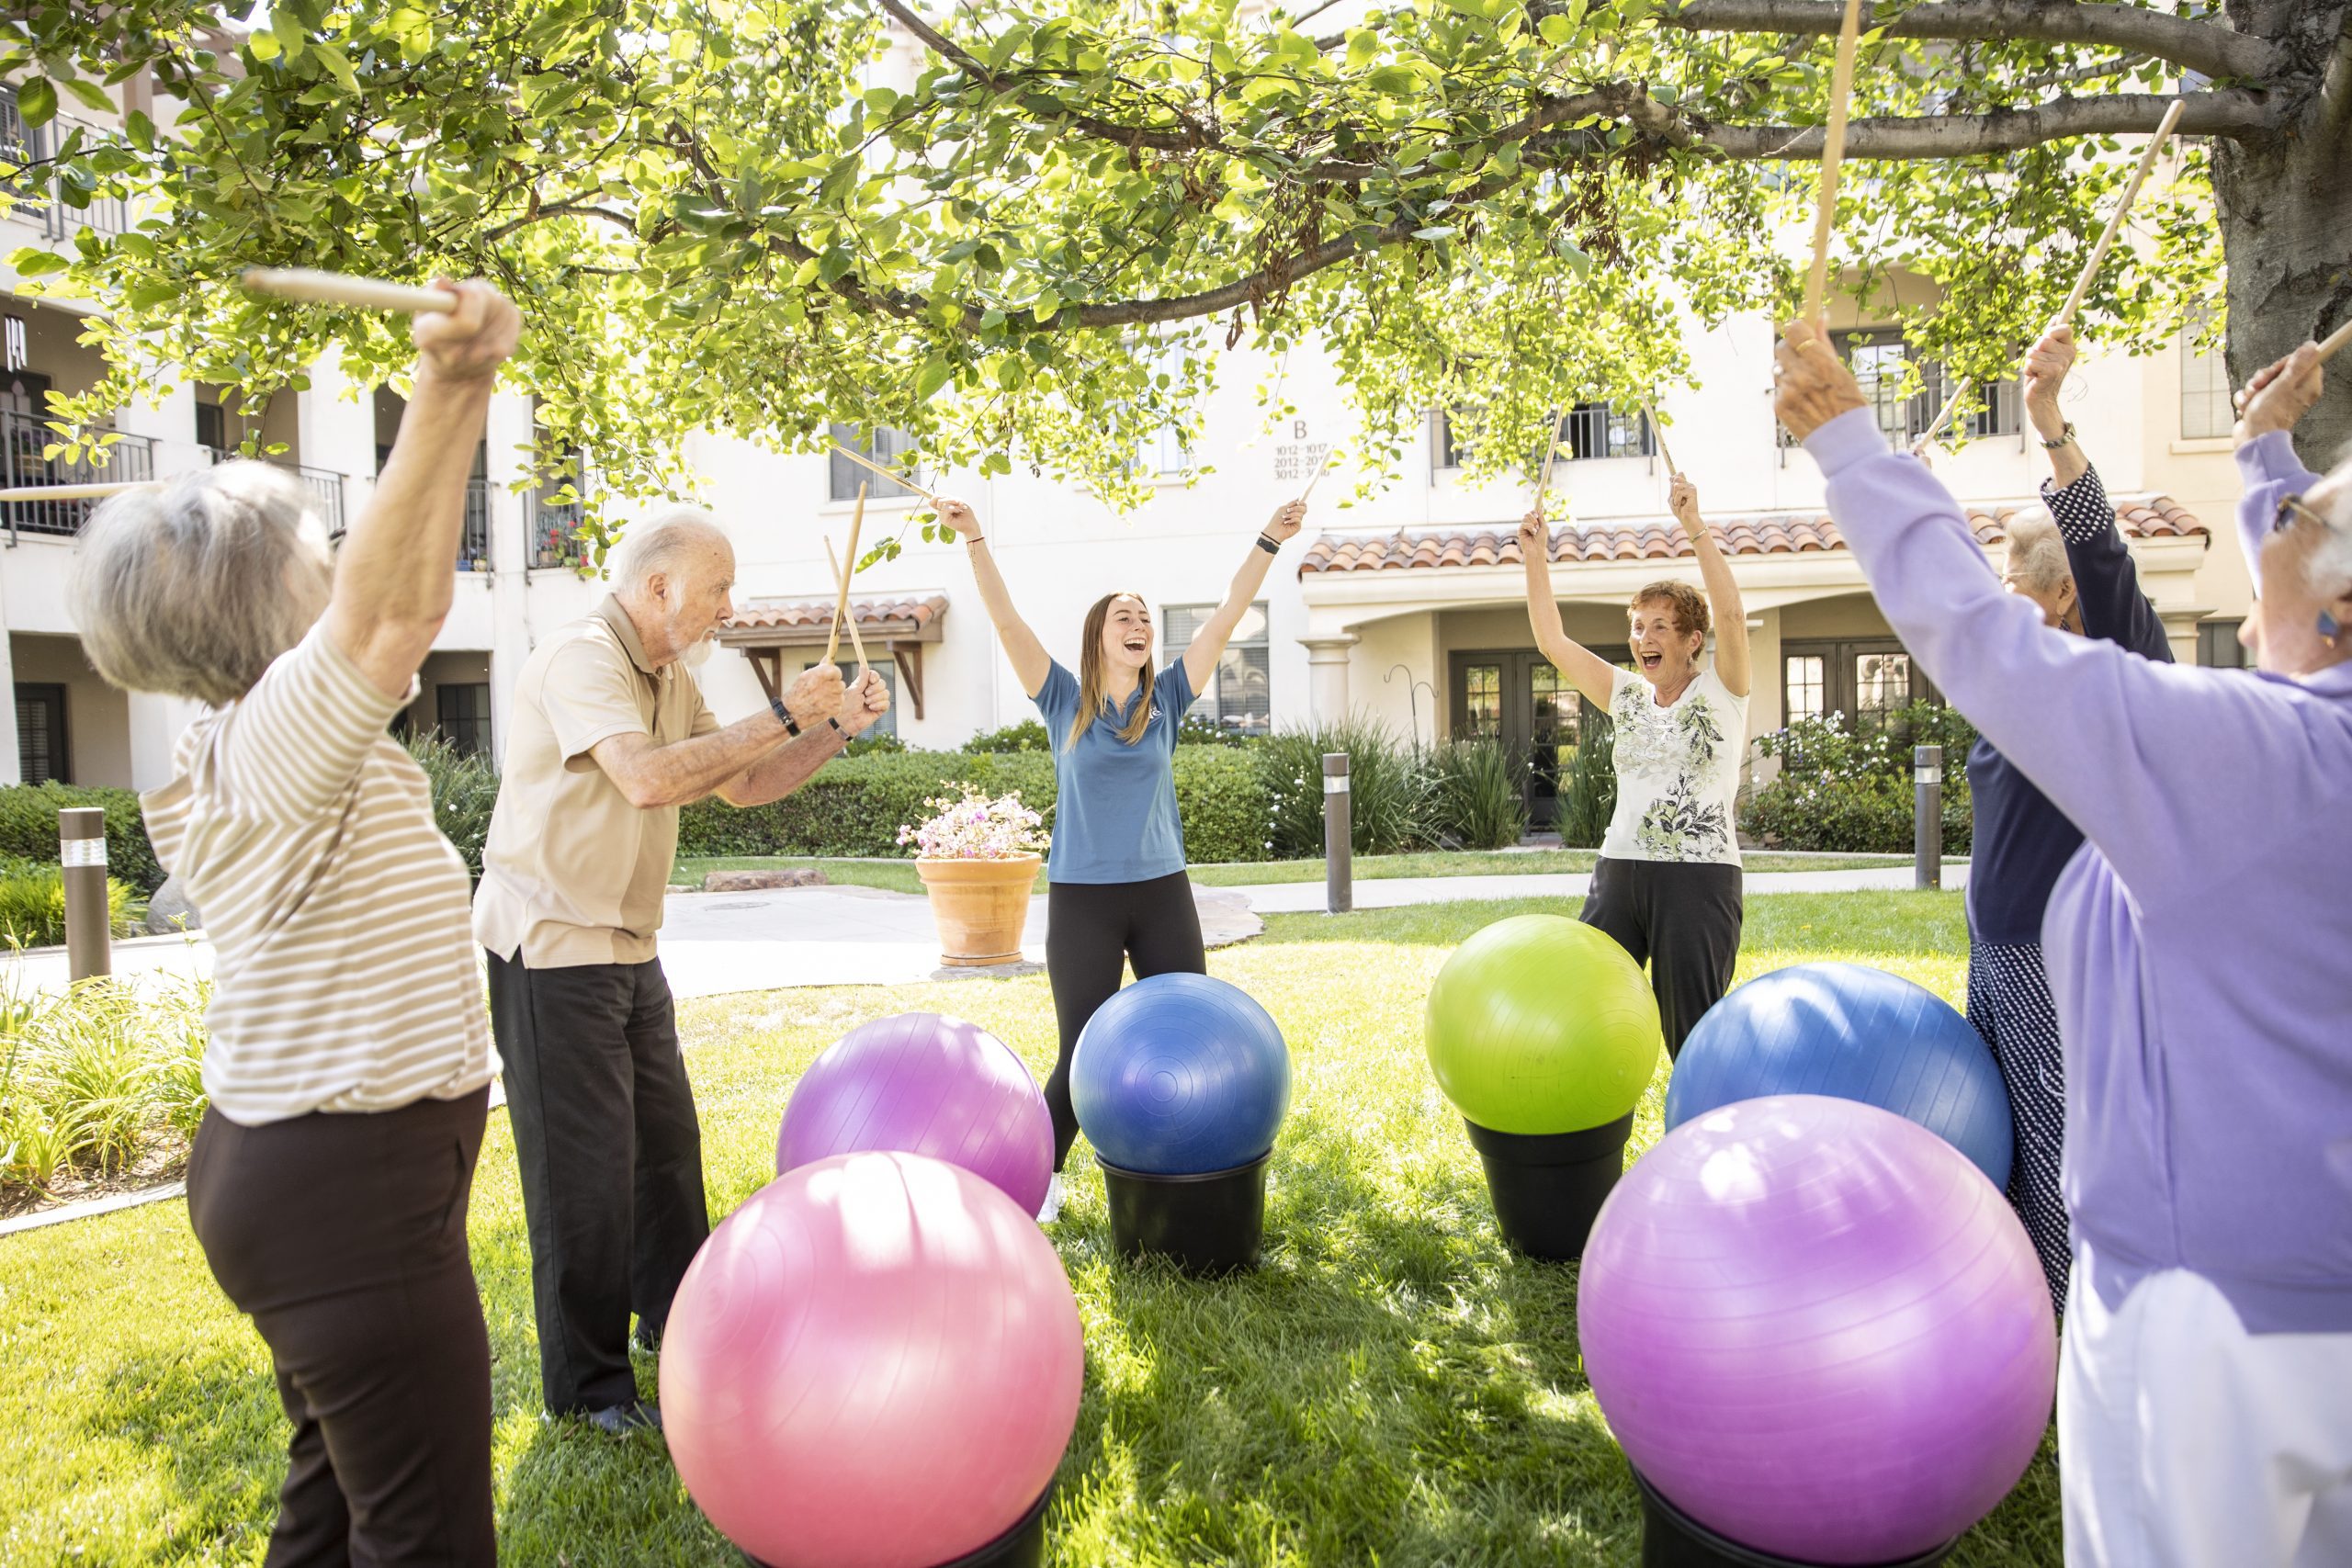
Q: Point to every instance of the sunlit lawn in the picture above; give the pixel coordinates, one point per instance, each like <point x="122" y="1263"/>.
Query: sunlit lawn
<point x="1391" y="1388"/>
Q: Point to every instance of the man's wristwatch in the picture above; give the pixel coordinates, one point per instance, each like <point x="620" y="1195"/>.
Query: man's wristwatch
<point x="783" y="716"/>
<point x="1269" y="543"/>
<point x="2065" y="438"/>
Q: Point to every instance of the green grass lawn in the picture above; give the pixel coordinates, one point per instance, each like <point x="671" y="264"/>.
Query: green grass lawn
<point x="1391" y="1388"/>
<point x="899" y="876"/>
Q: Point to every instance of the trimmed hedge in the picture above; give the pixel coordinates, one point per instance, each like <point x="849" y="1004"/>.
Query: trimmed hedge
<point x="1852" y="791"/>
<point x="28" y="829"/>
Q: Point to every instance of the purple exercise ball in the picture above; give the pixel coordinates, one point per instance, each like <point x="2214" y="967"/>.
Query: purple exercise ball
<point x="1817" y="1329"/>
<point x="927" y="1084"/>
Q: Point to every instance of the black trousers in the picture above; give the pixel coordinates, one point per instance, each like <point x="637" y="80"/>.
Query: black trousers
<point x="1092" y="930"/>
<point x="1682" y="920"/>
<point x="611" y="1155"/>
<point x="344" y="1239"/>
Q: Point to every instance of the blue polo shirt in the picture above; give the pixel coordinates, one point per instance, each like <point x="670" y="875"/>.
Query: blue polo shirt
<point x="1115" y="805"/>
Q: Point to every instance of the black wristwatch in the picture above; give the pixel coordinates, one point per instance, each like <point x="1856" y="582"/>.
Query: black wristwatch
<point x="1269" y="543"/>
<point x="2065" y="438"/>
<point x="839" y="730"/>
<point x="783" y="716"/>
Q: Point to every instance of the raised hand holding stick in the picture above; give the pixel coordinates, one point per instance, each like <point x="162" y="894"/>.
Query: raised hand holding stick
<point x="841" y="605"/>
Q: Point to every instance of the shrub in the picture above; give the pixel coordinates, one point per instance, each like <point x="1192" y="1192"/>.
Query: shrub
<point x="875" y="743"/>
<point x="1387" y="789"/>
<point x="32" y="904"/>
<point x="92" y="1077"/>
<point x="1221" y="797"/>
<point x="1852" y="791"/>
<point x="465" y="791"/>
<point x="1029" y="735"/>
<point x="1198" y="731"/>
<point x="1476" y="798"/>
<point x="1587" y="785"/>
<point x="28" y="829"/>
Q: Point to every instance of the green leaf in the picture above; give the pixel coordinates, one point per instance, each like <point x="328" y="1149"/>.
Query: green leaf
<point x="1047" y="306"/>
<point x="935" y="373"/>
<point x="37" y="101"/>
<point x="262" y="44"/>
<point x="30" y="263"/>
<point x="93" y="96"/>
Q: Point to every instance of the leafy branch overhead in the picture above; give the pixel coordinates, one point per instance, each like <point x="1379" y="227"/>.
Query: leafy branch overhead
<point x="737" y="215"/>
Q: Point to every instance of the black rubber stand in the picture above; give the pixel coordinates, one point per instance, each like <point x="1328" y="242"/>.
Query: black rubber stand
<point x="1548" y="1187"/>
<point x="1210" y="1223"/>
<point x="1023" y="1545"/>
<point x="1672" y="1538"/>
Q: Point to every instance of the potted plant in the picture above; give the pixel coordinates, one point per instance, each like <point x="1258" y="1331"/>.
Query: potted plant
<point x="979" y="858"/>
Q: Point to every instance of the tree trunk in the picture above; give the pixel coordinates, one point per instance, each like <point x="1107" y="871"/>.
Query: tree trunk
<point x="2285" y="208"/>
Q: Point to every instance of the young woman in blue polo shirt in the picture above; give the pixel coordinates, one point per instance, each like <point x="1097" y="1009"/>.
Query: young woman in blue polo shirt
<point x="1119" y="893"/>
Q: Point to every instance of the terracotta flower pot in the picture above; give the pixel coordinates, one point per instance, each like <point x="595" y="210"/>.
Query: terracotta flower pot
<point x="980" y="905"/>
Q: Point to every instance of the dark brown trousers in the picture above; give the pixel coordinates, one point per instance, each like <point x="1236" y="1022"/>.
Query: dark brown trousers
<point x="344" y="1239"/>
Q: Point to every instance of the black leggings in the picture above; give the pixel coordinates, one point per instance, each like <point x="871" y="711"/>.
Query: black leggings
<point x="1093" y="929"/>
<point x="1680" y="918"/>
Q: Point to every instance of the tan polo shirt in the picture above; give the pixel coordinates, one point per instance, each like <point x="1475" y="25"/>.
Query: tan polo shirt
<point x="572" y="873"/>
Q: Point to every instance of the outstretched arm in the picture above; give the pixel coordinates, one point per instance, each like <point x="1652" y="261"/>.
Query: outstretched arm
<point x="1208" y="643"/>
<point x="2043" y="377"/>
<point x="1030" y="661"/>
<point x="1587" y="671"/>
<point x="2278" y="395"/>
<point x="1723" y="589"/>
<point x="2107" y="581"/>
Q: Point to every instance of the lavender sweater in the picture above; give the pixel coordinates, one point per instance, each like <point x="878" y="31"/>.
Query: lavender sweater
<point x="2199" y="943"/>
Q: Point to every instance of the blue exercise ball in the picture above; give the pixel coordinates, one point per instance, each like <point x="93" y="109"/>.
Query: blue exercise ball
<point x="1179" y="1075"/>
<point x="1852" y="1033"/>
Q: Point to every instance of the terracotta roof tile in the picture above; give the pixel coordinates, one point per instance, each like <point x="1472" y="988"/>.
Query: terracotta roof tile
<point x="2142" y="517"/>
<point x="903" y="617"/>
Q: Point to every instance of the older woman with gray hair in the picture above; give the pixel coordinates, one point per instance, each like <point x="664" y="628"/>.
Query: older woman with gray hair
<point x="2073" y="565"/>
<point x="2196" y="948"/>
<point x="349" y="1063"/>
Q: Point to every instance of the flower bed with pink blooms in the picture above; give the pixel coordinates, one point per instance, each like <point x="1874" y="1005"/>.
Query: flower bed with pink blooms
<point x="975" y="825"/>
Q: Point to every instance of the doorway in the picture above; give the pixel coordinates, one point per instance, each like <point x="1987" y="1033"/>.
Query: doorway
<point x="1518" y="697"/>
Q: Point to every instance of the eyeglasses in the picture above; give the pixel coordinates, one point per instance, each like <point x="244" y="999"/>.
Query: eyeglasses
<point x="2292" y="507"/>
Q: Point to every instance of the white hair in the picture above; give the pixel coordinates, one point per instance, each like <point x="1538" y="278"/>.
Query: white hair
<point x="660" y="545"/>
<point x="2037" y="550"/>
<point x="195" y="589"/>
<point x="2329" y="570"/>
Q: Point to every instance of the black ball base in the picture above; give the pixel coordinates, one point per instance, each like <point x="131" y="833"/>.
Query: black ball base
<point x="1548" y="1187"/>
<point x="1672" y="1538"/>
<point x="1211" y="1223"/>
<point x="1023" y="1545"/>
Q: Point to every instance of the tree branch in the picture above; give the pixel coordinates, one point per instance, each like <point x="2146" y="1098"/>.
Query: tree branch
<point x="2229" y="112"/>
<point x="2200" y="46"/>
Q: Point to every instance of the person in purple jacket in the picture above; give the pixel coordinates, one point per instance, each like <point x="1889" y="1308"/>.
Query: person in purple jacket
<point x="2073" y="564"/>
<point x="2200" y="948"/>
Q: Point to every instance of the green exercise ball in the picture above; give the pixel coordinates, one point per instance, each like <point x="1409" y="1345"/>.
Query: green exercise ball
<point x="1543" y="1024"/>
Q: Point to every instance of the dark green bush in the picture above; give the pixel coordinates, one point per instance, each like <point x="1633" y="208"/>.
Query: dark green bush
<point x="1222" y="799"/>
<point x="32" y="904"/>
<point x="1198" y="731"/>
<point x="854" y="806"/>
<point x="1387" y="791"/>
<point x="1848" y="791"/>
<point x="1476" y="798"/>
<point x="1029" y="735"/>
<point x="465" y="791"/>
<point x="28" y="828"/>
<point x="1587" y="785"/>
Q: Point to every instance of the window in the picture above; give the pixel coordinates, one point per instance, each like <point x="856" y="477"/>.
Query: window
<point x="1164" y="453"/>
<point x="791" y="662"/>
<point x="1240" y="697"/>
<point x="40" y="734"/>
<point x="1587" y="430"/>
<point x="1882" y="361"/>
<point x="1802" y="683"/>
<point x="889" y="447"/>
<point x="1482" y="701"/>
<point x="2205" y="410"/>
<point x="1862" y="681"/>
<point x="212" y="427"/>
<point x="462" y="713"/>
<point x="2217" y="647"/>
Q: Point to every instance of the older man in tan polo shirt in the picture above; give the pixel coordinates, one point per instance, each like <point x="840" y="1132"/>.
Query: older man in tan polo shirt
<point x="610" y="736"/>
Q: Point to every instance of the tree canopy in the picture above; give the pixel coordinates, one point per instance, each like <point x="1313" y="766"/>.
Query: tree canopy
<point x="715" y="219"/>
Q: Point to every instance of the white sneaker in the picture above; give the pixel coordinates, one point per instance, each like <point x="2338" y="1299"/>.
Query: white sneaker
<point x="1052" y="1209"/>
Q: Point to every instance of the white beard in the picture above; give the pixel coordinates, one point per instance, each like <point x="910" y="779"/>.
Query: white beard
<point x="698" y="652"/>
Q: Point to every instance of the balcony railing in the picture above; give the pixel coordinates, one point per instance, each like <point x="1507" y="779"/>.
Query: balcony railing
<point x="23" y="438"/>
<point x="473" y="544"/>
<point x="324" y="484"/>
<point x="22" y="145"/>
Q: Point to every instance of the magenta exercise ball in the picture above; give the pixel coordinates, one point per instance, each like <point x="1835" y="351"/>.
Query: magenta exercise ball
<point x="1818" y="1330"/>
<point x="872" y="1363"/>
<point x="927" y="1084"/>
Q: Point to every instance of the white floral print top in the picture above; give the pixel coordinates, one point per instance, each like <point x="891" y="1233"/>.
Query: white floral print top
<point x="1677" y="770"/>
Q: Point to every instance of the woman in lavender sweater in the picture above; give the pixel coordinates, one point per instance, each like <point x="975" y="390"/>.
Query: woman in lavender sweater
<point x="2200" y="948"/>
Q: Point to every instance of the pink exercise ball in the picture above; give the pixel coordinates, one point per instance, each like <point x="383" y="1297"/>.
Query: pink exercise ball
<point x="1818" y="1330"/>
<point x="872" y="1363"/>
<point x="928" y="1084"/>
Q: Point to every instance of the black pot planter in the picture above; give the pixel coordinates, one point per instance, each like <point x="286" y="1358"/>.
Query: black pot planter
<point x="1547" y="1187"/>
<point x="1672" y="1538"/>
<point x="1023" y="1545"/>
<point x="1210" y="1223"/>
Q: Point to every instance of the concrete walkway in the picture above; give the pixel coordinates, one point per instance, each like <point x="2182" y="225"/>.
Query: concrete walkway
<point x="721" y="944"/>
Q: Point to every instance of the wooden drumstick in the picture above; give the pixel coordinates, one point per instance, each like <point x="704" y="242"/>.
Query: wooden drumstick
<point x="841" y="605"/>
<point x="77" y="493"/>
<point x="2335" y="341"/>
<point x="1658" y="436"/>
<point x="870" y="465"/>
<point x="855" y="641"/>
<point x="1832" y="153"/>
<point x="340" y="289"/>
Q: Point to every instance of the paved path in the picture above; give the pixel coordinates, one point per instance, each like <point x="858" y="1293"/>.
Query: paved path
<point x="1396" y="892"/>
<point x="719" y="943"/>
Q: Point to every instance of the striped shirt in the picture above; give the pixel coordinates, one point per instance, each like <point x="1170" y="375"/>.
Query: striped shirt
<point x="345" y="972"/>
